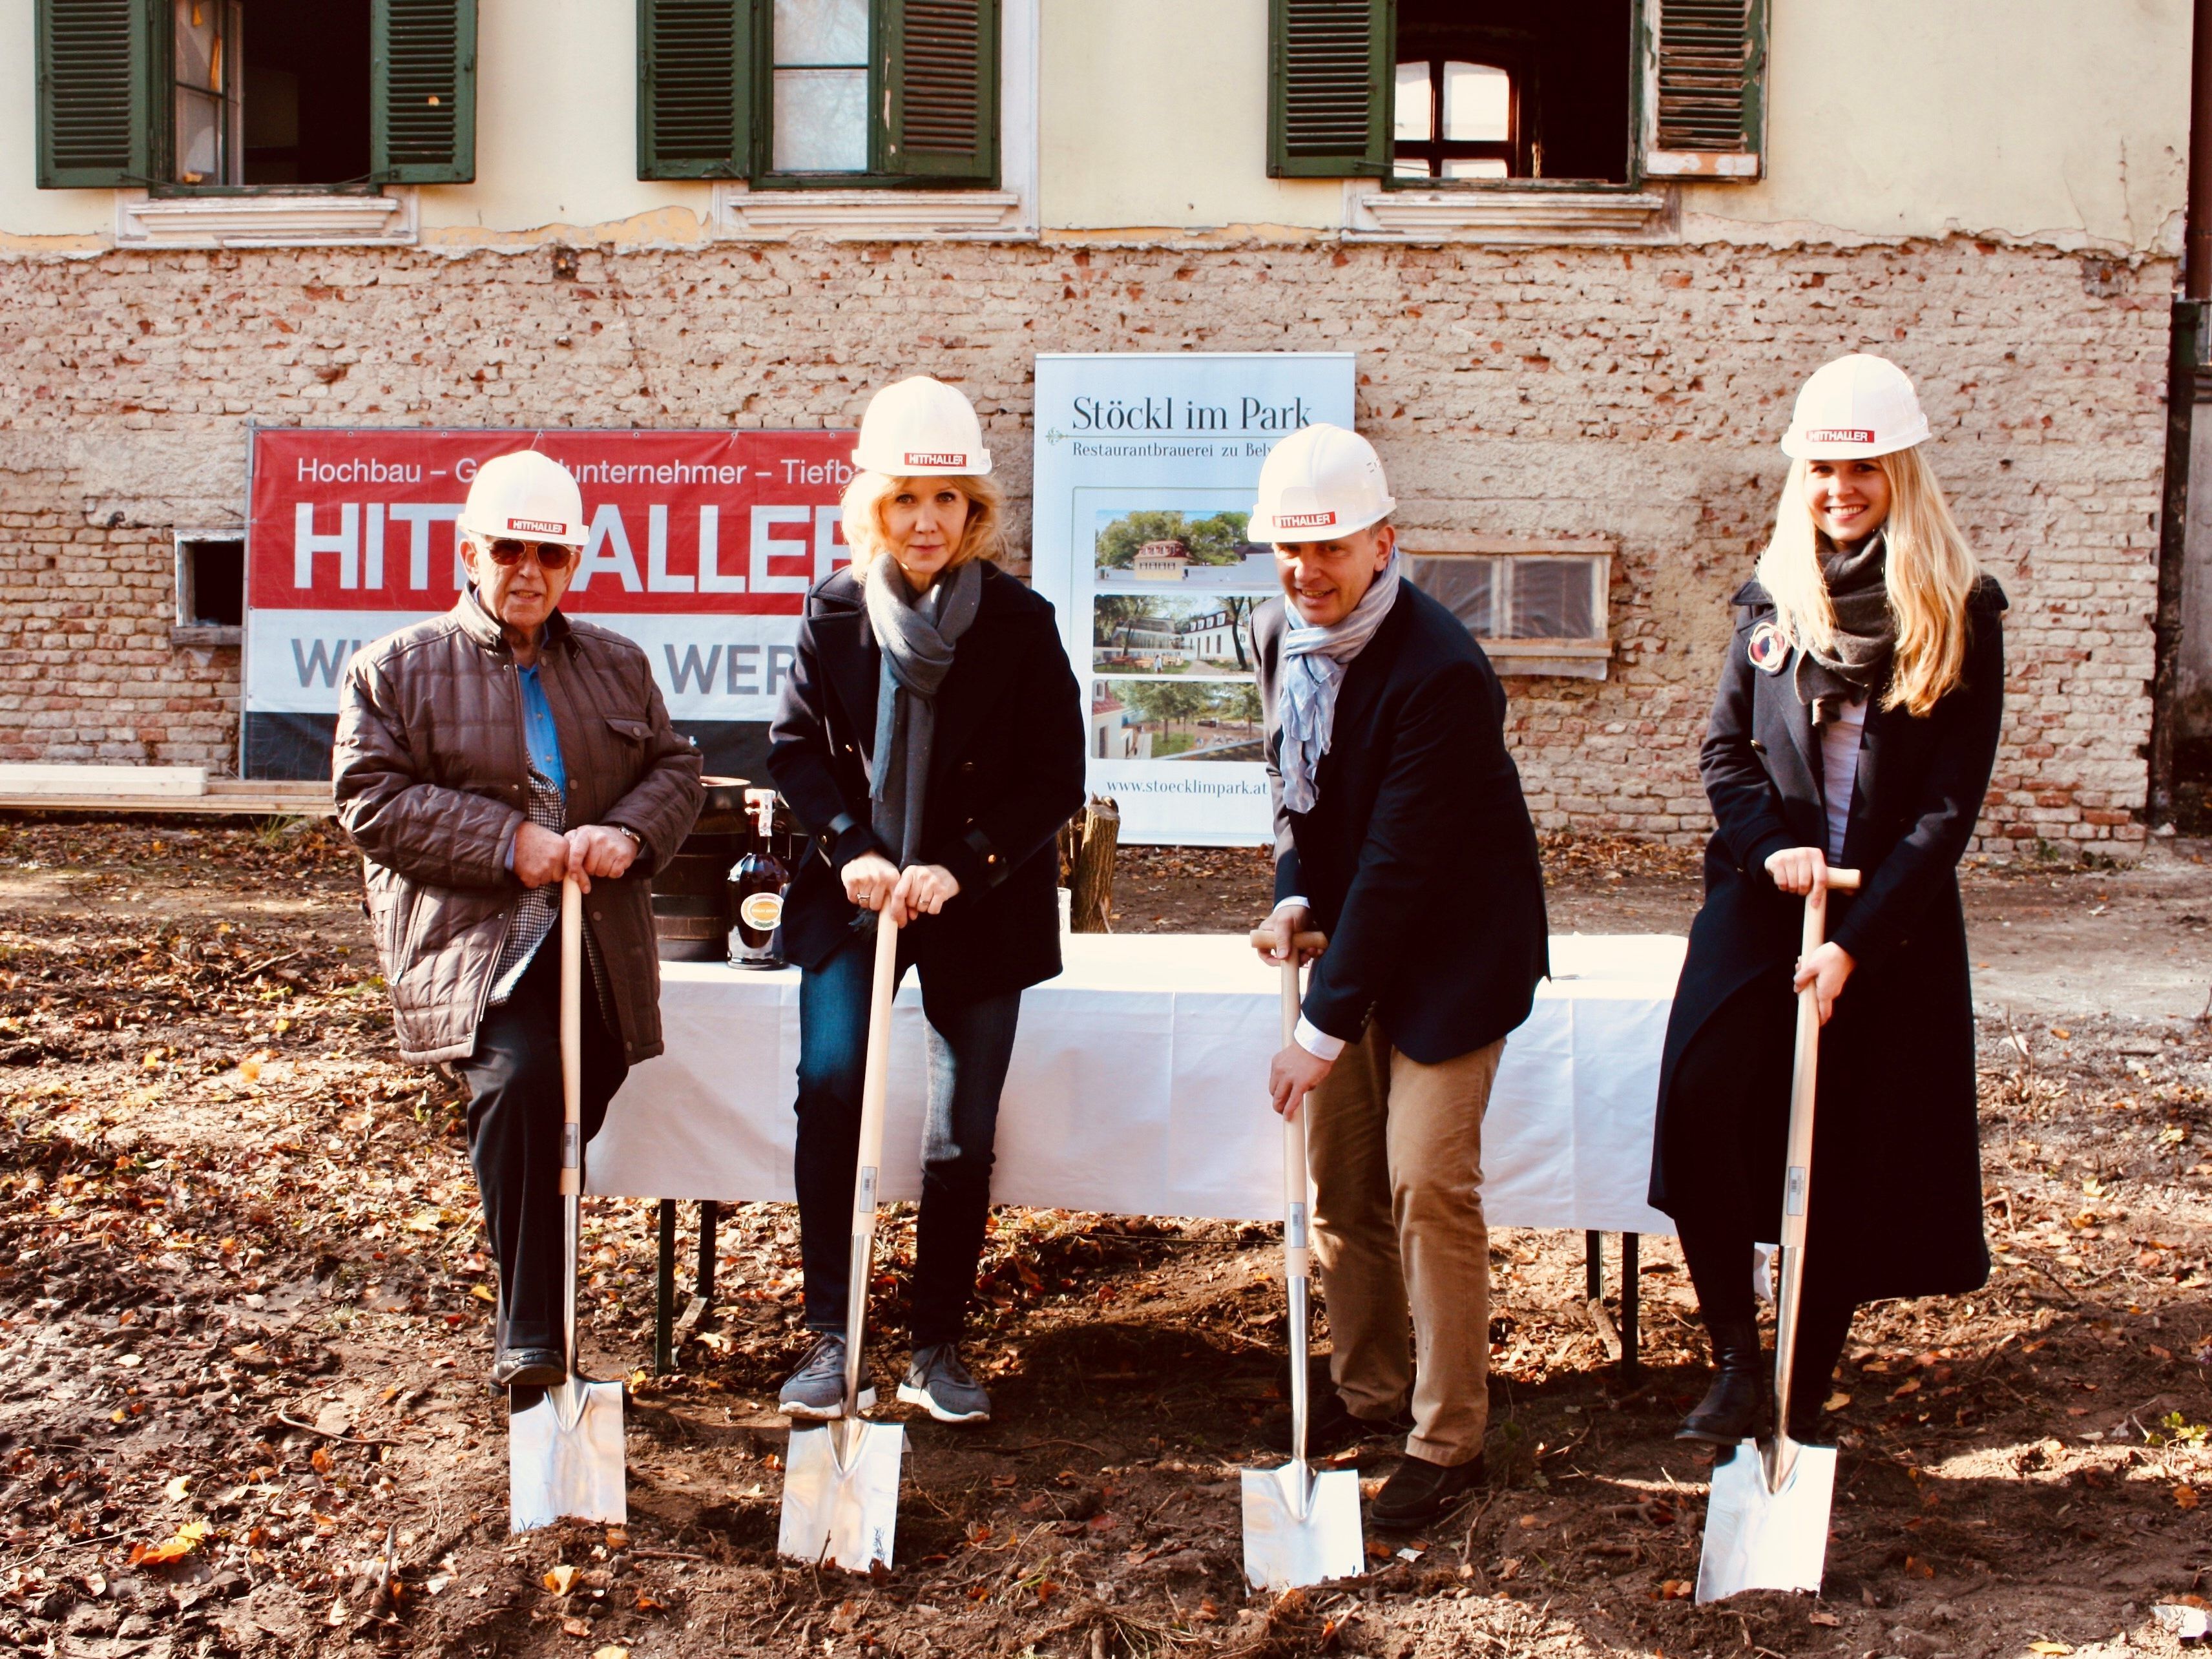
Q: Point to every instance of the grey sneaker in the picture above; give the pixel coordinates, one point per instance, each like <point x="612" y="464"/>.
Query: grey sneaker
<point x="817" y="1389"/>
<point x="936" y="1379"/>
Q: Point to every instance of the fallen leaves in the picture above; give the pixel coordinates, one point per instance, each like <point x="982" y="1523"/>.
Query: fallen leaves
<point x="175" y="1548"/>
<point x="2184" y="1496"/>
<point x="561" y="1579"/>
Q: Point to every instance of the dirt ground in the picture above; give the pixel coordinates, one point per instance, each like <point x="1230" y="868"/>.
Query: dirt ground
<point x="243" y="1339"/>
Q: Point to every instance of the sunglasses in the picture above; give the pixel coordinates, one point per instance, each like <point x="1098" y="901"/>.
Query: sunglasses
<point x="551" y="556"/>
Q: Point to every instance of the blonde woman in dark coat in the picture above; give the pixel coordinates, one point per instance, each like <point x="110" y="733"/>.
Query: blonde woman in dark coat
<point x="1857" y="725"/>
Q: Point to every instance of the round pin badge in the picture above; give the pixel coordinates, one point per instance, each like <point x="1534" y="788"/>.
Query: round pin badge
<point x="1769" y="649"/>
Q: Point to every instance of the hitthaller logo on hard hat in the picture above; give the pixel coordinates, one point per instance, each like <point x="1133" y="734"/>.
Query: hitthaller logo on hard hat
<point x="536" y="527"/>
<point x="1304" y="520"/>
<point x="922" y="457"/>
<point x="1841" y="434"/>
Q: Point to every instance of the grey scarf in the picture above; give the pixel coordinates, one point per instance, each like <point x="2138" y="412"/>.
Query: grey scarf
<point x="916" y="634"/>
<point x="1314" y="661"/>
<point x="1866" y="632"/>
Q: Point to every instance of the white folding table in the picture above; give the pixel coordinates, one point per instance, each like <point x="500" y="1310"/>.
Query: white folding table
<point x="1137" y="1087"/>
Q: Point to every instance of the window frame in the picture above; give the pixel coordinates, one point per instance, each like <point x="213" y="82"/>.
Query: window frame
<point x="760" y="173"/>
<point x="1642" y="16"/>
<point x="1514" y="149"/>
<point x="1571" y="658"/>
<point x="154" y="209"/>
<point x="184" y="627"/>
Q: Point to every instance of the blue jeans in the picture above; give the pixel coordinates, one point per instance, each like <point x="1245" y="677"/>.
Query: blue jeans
<point x="970" y="1047"/>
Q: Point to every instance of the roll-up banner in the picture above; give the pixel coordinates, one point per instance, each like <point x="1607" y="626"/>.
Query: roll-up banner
<point x="1148" y="468"/>
<point x="703" y="547"/>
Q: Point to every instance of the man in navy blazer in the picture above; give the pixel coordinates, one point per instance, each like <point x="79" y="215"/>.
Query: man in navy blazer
<point x="1400" y="833"/>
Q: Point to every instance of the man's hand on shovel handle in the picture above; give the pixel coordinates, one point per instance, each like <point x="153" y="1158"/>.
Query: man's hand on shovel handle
<point x="1285" y="926"/>
<point x="596" y="850"/>
<point x="1292" y="1075"/>
<point x="541" y="855"/>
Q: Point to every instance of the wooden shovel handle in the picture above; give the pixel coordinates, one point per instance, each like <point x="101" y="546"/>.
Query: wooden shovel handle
<point x="571" y="1035"/>
<point x="1844" y="881"/>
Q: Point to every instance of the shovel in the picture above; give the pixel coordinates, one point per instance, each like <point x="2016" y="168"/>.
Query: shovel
<point x="564" y="1455"/>
<point x="1766" y="1523"/>
<point x="1300" y="1528"/>
<point x="841" y="1481"/>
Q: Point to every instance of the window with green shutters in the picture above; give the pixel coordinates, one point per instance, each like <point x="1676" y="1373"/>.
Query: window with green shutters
<point x="208" y="96"/>
<point x="820" y="94"/>
<point x="1431" y="94"/>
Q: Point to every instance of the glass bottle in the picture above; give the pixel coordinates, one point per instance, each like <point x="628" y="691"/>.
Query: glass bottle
<point x="756" y="885"/>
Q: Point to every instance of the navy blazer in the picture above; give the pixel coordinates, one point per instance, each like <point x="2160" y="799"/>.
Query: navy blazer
<point x="1418" y="857"/>
<point x="1005" y="772"/>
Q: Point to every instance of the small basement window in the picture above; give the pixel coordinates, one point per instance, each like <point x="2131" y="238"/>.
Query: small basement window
<point x="210" y="589"/>
<point x="1536" y="607"/>
<point x="1497" y="89"/>
<point x="270" y="92"/>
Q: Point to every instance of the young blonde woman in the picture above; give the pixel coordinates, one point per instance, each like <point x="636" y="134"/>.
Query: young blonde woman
<point x="1856" y="726"/>
<point x="930" y="741"/>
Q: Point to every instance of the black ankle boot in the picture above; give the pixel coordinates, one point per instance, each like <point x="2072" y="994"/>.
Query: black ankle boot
<point x="1733" y="1406"/>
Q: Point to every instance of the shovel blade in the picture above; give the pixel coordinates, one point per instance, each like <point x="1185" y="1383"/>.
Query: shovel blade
<point x="564" y="1457"/>
<point x="1758" y="1537"/>
<point x="840" y="1494"/>
<point x="1293" y="1539"/>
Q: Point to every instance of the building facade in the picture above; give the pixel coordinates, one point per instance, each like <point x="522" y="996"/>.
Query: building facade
<point x="1585" y="253"/>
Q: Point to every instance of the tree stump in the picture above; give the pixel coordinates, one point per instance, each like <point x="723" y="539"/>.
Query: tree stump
<point x="1091" y="889"/>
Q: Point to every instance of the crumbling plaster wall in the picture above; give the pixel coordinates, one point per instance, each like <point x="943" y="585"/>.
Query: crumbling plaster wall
<point x="1635" y="393"/>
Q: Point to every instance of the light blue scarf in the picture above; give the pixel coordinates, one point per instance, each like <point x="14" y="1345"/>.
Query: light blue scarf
<point x="1314" y="661"/>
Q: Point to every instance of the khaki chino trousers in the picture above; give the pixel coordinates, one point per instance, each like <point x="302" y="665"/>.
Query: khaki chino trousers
<point x="1396" y="1151"/>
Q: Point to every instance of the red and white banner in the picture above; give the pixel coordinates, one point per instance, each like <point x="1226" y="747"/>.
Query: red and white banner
<point x="703" y="547"/>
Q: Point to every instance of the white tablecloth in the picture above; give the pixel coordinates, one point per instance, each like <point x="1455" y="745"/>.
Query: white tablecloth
<point x="1137" y="1087"/>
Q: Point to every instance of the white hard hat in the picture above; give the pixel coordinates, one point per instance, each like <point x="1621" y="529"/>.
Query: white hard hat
<point x="527" y="495"/>
<point x="1319" y="483"/>
<point x="921" y="428"/>
<point x="1853" y="410"/>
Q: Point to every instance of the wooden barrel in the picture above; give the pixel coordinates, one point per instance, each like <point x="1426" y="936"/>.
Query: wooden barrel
<point x="691" y="919"/>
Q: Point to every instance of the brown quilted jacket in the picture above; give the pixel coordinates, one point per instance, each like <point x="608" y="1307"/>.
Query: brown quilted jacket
<point x="429" y="773"/>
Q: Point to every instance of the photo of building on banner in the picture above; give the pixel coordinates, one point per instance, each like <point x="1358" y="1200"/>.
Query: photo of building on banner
<point x="1147" y="471"/>
<point x="703" y="545"/>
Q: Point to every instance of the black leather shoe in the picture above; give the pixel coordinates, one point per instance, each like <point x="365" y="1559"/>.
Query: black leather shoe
<point x="1417" y="1490"/>
<point x="529" y="1368"/>
<point x="1734" y="1406"/>
<point x="1331" y="1427"/>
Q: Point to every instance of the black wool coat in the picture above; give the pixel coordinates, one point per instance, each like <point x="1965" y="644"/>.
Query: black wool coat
<point x="1418" y="857"/>
<point x="1896" y="1205"/>
<point x="1005" y="771"/>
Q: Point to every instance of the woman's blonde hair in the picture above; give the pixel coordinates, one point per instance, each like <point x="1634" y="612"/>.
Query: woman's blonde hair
<point x="870" y="492"/>
<point x="1930" y="572"/>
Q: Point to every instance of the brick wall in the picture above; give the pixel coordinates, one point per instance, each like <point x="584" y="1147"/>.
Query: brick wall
<point x="1634" y="394"/>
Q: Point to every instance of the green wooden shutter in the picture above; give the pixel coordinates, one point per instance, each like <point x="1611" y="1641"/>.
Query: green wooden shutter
<point x="1705" y="87"/>
<point x="1330" y="68"/>
<point x="694" y="88"/>
<point x="423" y="91"/>
<point x="95" y="97"/>
<point x="941" y="72"/>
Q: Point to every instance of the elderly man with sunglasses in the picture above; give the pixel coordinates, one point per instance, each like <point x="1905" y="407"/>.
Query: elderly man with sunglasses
<point x="482" y="757"/>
